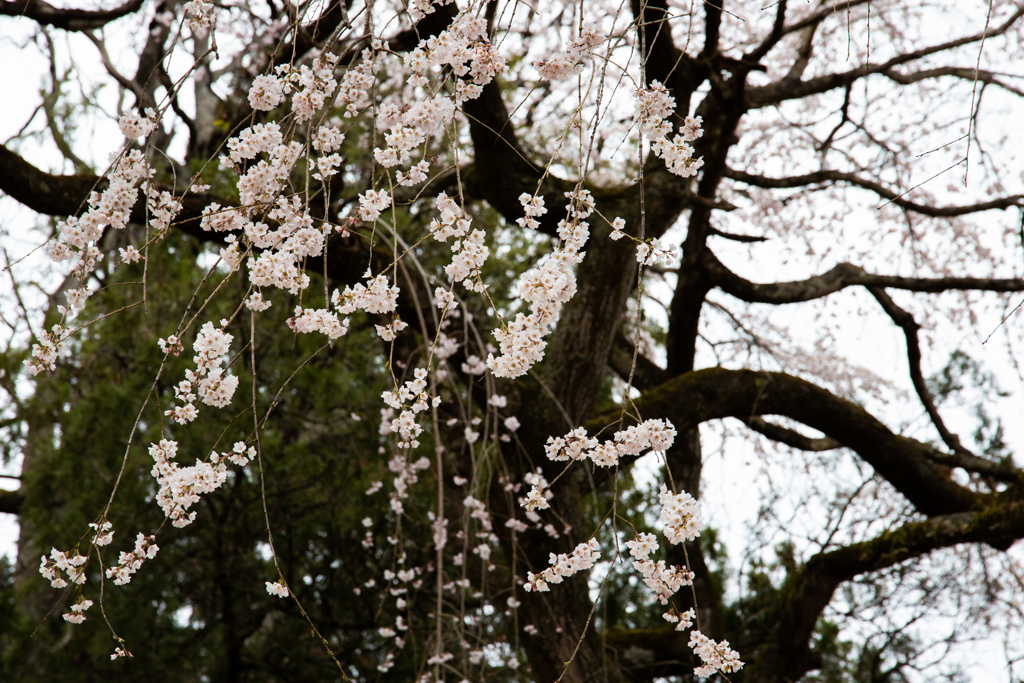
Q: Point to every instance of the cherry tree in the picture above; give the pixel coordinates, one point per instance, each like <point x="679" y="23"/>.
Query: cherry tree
<point x="586" y="246"/>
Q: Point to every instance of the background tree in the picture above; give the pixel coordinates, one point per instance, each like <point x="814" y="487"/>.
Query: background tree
<point x="833" y="143"/>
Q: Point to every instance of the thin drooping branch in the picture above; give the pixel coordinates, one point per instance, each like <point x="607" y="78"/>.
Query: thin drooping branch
<point x="791" y="437"/>
<point x="314" y="33"/>
<point x="840" y="277"/>
<point x="905" y="321"/>
<point x="646" y="373"/>
<point x="831" y="176"/>
<point x="68" y="19"/>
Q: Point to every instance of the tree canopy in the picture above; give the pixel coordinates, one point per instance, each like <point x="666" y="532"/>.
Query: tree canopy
<point x="487" y="324"/>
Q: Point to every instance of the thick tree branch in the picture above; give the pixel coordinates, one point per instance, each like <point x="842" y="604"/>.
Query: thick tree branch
<point x="783" y="89"/>
<point x="712" y="28"/>
<point x="963" y="73"/>
<point x="50" y="195"/>
<point x="830" y="10"/>
<point x="807" y="592"/>
<point x="905" y="321"/>
<point x="773" y="38"/>
<point x="829" y="176"/>
<point x="840" y="277"/>
<point x="69" y="19"/>
<point x="67" y="195"/>
<point x="10" y="501"/>
<point x="791" y="437"/>
<point x="716" y="393"/>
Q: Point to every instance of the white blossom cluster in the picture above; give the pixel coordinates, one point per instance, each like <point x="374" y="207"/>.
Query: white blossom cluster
<point x="200" y="15"/>
<point x="110" y="208"/>
<point x="583" y="557"/>
<point x="420" y="8"/>
<point x="656" y="435"/>
<point x="663" y="580"/>
<point x="375" y="297"/>
<point x="259" y="189"/>
<point x="406" y="474"/>
<point x="653" y="107"/>
<point x="470" y="255"/>
<point x="451" y="222"/>
<point x="180" y="487"/>
<point x="313" y="86"/>
<point x="463" y="47"/>
<point x="51" y="568"/>
<point x="538" y="497"/>
<point x="77" y="613"/>
<point x="327" y="142"/>
<point x="716" y="656"/>
<point x="129" y="563"/>
<point x="214" y="387"/>
<point x="239" y="455"/>
<point x="278" y="589"/>
<point x="468" y="247"/>
<point x="408" y="128"/>
<point x="546" y="287"/>
<point x="656" y="251"/>
<point x="359" y="83"/>
<point x="308" y="320"/>
<point x="570" y="62"/>
<point x="533" y="208"/>
<point x="104" y="533"/>
<point x="682" y="620"/>
<point x="45" y="352"/>
<point x="680" y="515"/>
<point x="133" y="126"/>
<point x="372" y="203"/>
<point x="411" y="399"/>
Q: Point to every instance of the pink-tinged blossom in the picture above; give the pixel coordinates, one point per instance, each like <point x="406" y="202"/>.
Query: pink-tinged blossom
<point x="181" y="487"/>
<point x="256" y="302"/>
<point x="133" y="126"/>
<point x="572" y="61"/>
<point x="129" y="254"/>
<point x="547" y="287"/>
<point x="654" y="105"/>
<point x="583" y="557"/>
<point x="45" y="352"/>
<point x="129" y="563"/>
<point x="717" y="657"/>
<point x="266" y="92"/>
<point x="681" y="516"/>
<point x="104" y="534"/>
<point x="72" y="565"/>
<point x="200" y="15"/>
<point x="77" y="613"/>
<point x="278" y="589"/>
<point x="372" y="203"/>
